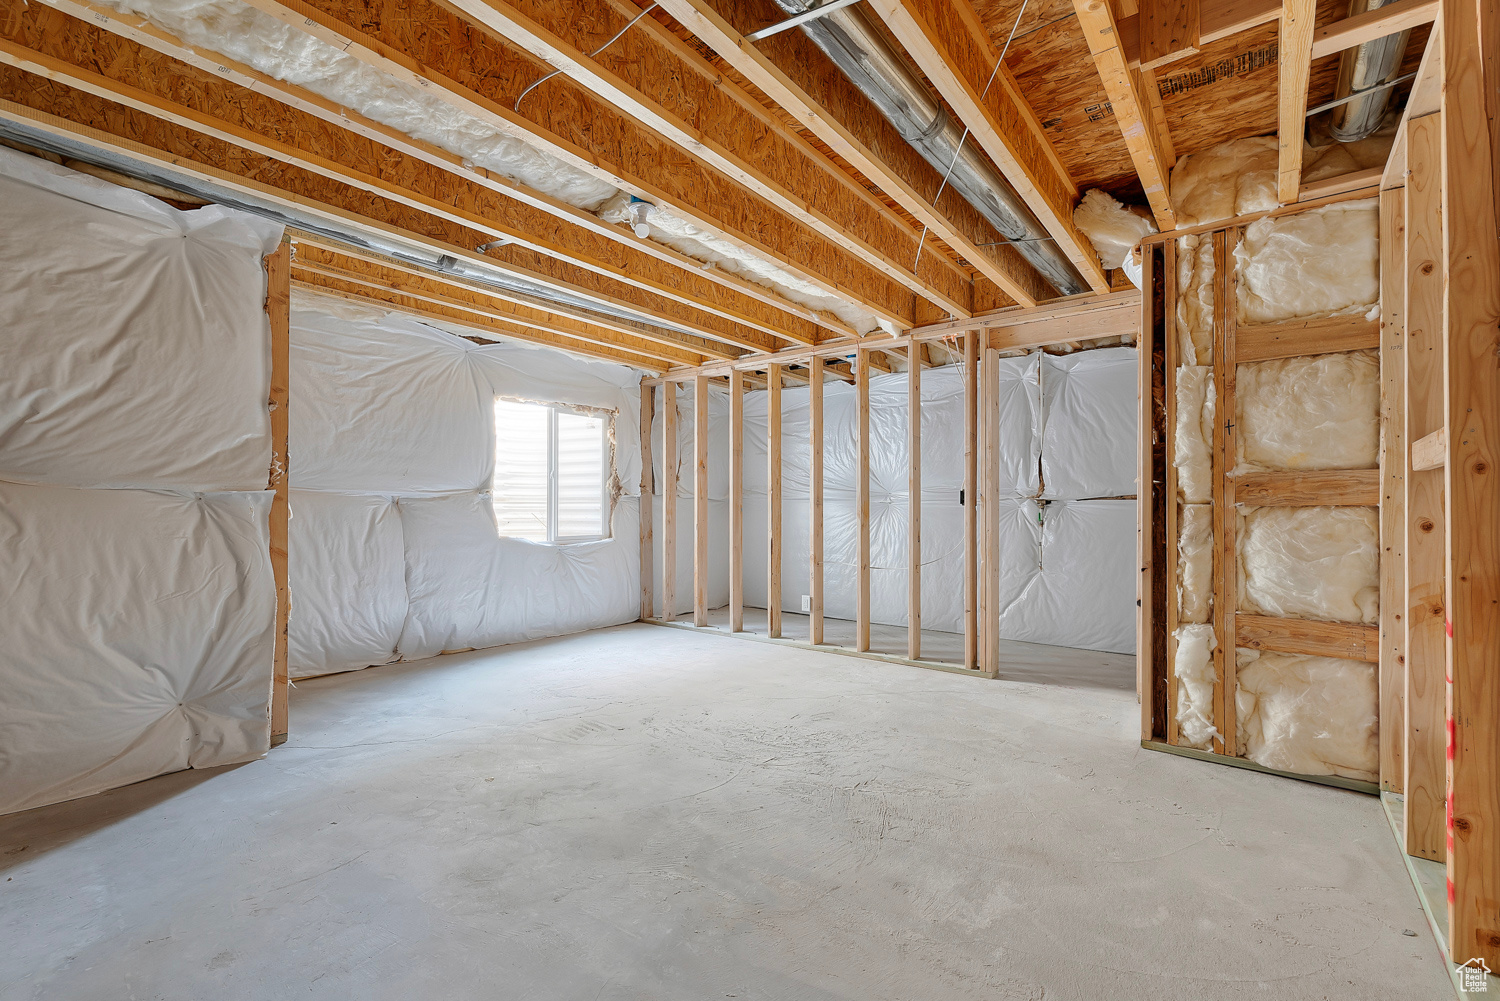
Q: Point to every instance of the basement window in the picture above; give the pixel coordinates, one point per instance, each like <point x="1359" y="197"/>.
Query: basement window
<point x="551" y="472"/>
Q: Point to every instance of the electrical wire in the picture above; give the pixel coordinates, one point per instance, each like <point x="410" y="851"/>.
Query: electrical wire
<point x="616" y="38"/>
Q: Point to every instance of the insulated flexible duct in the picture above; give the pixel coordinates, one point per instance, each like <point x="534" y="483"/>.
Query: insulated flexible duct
<point x="1364" y="68"/>
<point x="864" y="56"/>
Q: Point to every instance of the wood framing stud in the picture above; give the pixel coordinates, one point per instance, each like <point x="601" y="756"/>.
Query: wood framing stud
<point x="862" y="501"/>
<point x="1294" y="69"/>
<point x="1393" y="490"/>
<point x="773" y="483"/>
<point x="669" y="459"/>
<point x="971" y="484"/>
<point x="700" y="502"/>
<point x="815" y="501"/>
<point x="736" y="501"/>
<point x="914" y="503"/>
<point x="647" y="512"/>
<point x="278" y="310"/>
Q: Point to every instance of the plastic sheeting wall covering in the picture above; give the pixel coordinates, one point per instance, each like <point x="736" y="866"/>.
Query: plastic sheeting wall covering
<point x="247" y="35"/>
<point x="1313" y="715"/>
<point x="1066" y="566"/>
<point x="393" y="454"/>
<point x="139" y="623"/>
<point x="1310" y="562"/>
<point x="1194" y="667"/>
<point x="1311" y="412"/>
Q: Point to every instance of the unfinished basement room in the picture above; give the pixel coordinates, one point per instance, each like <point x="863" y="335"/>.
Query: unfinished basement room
<point x="801" y="500"/>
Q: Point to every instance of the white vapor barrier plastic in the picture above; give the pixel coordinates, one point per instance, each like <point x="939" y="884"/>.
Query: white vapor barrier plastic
<point x="347" y="566"/>
<point x="1195" y="562"/>
<point x="1310" y="562"/>
<point x="1082" y="594"/>
<point x="136" y="349"/>
<point x="388" y="405"/>
<point x="1313" y="715"/>
<point x="1311" y="412"/>
<point x="1192" y="445"/>
<point x="1113" y="229"/>
<point x="1321" y="262"/>
<point x="467" y="588"/>
<point x="279" y="50"/>
<point x="1195" y="300"/>
<point x="138" y="635"/>
<point x="1089" y="431"/>
<point x="1194" y="668"/>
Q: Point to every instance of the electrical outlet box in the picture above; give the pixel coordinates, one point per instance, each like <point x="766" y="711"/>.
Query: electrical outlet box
<point x="807" y="602"/>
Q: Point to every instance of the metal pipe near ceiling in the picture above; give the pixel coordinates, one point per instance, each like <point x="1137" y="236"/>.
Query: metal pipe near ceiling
<point x="1366" y="73"/>
<point x="878" y="71"/>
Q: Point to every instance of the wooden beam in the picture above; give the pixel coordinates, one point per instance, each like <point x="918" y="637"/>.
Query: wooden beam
<point x="1132" y="109"/>
<point x="575" y="328"/>
<point x="742" y="300"/>
<point x="1391" y="19"/>
<point x="669" y="459"/>
<point x="989" y="506"/>
<point x="1168" y="31"/>
<point x="736" y="501"/>
<point x="143" y="79"/>
<point x="1471" y="321"/>
<point x="1393" y="490"/>
<point x="1310" y="488"/>
<point x="1056" y="313"/>
<point x="1145" y="499"/>
<point x="596" y="117"/>
<point x="1226" y="555"/>
<point x="1426" y="600"/>
<point x="1170" y="517"/>
<point x="970" y="499"/>
<point x="1294" y="69"/>
<point x="773" y="490"/>
<point x="1216" y="19"/>
<point x="914" y="503"/>
<point x="1349" y="640"/>
<point x="278" y="311"/>
<point x="1424" y="98"/>
<point x="485" y="329"/>
<point x="700" y="502"/>
<point x="1355" y="180"/>
<point x="958" y="61"/>
<point x="815" y="501"/>
<point x="862" y="501"/>
<point x="791" y="70"/>
<point x="1430" y="451"/>
<point x="1327" y="335"/>
<point x="647" y="506"/>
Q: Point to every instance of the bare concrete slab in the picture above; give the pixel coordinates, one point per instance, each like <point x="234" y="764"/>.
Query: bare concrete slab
<point x="652" y="813"/>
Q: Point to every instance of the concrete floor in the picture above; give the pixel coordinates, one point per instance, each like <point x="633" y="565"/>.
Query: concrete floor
<point x="652" y="813"/>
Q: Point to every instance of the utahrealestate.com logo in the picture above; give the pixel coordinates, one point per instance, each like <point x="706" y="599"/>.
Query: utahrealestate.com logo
<point x="1474" y="977"/>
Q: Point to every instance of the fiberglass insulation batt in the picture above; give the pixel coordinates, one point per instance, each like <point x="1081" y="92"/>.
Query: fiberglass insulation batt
<point x="1321" y="262"/>
<point x="1310" y="562"/>
<point x="135" y="448"/>
<point x="1313" y="715"/>
<point x="1193" y="665"/>
<point x="1309" y="412"/>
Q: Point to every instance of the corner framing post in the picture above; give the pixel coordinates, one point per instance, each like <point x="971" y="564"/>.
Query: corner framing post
<point x="1145" y="479"/>
<point x="1224" y="525"/>
<point x="815" y="500"/>
<point x="1471" y="320"/>
<point x="914" y="501"/>
<point x="1425" y="601"/>
<point x="278" y="310"/>
<point x="647" y="504"/>
<point x="971" y="481"/>
<point x="862" y="501"/>
<point x="668" y="501"/>
<point x="1392" y="489"/>
<point x="736" y="501"/>
<point x="700" y="500"/>
<point x="773" y="483"/>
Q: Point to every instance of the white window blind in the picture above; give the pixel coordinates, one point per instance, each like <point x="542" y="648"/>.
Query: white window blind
<point x="551" y="473"/>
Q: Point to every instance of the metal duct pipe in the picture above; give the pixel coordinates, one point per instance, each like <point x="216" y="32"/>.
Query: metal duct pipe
<point x="862" y="53"/>
<point x="1363" y="68"/>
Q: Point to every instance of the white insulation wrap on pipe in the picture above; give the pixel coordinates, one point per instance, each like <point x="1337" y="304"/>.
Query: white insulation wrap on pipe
<point x="138" y="634"/>
<point x="1310" y="562"/>
<point x="1310" y="412"/>
<point x="136" y="350"/>
<point x="1313" y="715"/>
<point x="138" y="624"/>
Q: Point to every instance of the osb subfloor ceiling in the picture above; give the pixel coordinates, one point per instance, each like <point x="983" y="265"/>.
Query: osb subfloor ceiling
<point x="1227" y="91"/>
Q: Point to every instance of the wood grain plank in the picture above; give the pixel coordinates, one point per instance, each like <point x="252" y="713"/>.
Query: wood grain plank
<point x="1393" y="490"/>
<point x="1349" y="640"/>
<point x="1312" y="488"/>
<point x="1325" y="335"/>
<point x="278" y="311"/>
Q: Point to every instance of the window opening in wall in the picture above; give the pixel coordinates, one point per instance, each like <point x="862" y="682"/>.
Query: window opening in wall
<point x="551" y="472"/>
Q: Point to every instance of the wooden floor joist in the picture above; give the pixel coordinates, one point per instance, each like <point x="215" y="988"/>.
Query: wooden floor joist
<point x="473" y="68"/>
